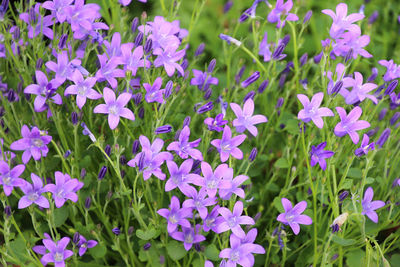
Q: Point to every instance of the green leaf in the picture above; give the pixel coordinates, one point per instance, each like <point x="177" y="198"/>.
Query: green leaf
<point x="354" y="173"/>
<point x="278" y="204"/>
<point x="176" y="250"/>
<point x="18" y="248"/>
<point x="282" y="163"/>
<point x="212" y="253"/>
<point x="146" y="235"/>
<point x="356" y="258"/>
<point x="60" y="216"/>
<point x="98" y="251"/>
<point x="348" y="183"/>
<point x="342" y="241"/>
<point x="369" y="180"/>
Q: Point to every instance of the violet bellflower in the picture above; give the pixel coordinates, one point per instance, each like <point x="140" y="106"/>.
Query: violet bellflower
<point x="153" y="92"/>
<point x="84" y="244"/>
<point x="132" y="60"/>
<point x="245" y="119"/>
<point x="189" y="236"/>
<point x="359" y="92"/>
<point x="351" y="44"/>
<point x="9" y="178"/>
<point x="179" y="177"/>
<point x="184" y="148"/>
<point x="228" y="146"/>
<point x="370" y="206"/>
<point x="176" y="215"/>
<point x="33" y="194"/>
<point x="57" y="252"/>
<point x="293" y="215"/>
<point x="392" y="70"/>
<point x="83" y="88"/>
<point x="58" y="8"/>
<point x="350" y="124"/>
<point x="264" y="48"/>
<point x="211" y="219"/>
<point x="312" y="110"/>
<point x="37" y="23"/>
<point x="113" y="49"/>
<point x="280" y="14"/>
<point x="33" y="143"/>
<point x="199" y="201"/>
<point x="340" y="72"/>
<point x="233" y="220"/>
<point x="64" y="69"/>
<point x="115" y="108"/>
<point x="65" y="188"/>
<point x="216" y="124"/>
<point x="202" y="80"/>
<point x="108" y="70"/>
<point x="235" y="186"/>
<point x="365" y="147"/>
<point x="168" y="58"/>
<point x="318" y="155"/>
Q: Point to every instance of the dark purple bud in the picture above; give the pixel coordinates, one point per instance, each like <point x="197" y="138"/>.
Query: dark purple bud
<point x="349" y="55"/>
<point x="279" y="103"/>
<point x="32" y="16"/>
<point x="282" y="125"/>
<point x="309" y="191"/>
<point x="337" y="87"/>
<point x="83" y="173"/>
<point x="147" y="246"/>
<point x="394" y="118"/>
<point x="252" y="78"/>
<point x="130" y="230"/>
<point x="75" y="239"/>
<point x="263" y="86"/>
<point x="207" y="94"/>
<point x="141" y="161"/>
<point x="317" y="58"/>
<point x="135" y="147"/>
<point x="286" y="39"/>
<point x="302" y="127"/>
<point x="197" y="171"/>
<point x="307" y="16"/>
<point x="116" y="231"/>
<point x="282" y="80"/>
<point x="382" y="114"/>
<point x="134" y="25"/>
<point x="373" y="76"/>
<point x="384" y="137"/>
<point x="123" y="173"/>
<point x="163" y="129"/>
<point x="288" y="68"/>
<point x="62" y="41"/>
<point x="228" y="5"/>
<point x="186" y="121"/>
<point x="139" y="39"/>
<point x="343" y="195"/>
<point x="334" y="257"/>
<point x="3" y="8"/>
<point x="229" y="39"/>
<point x="196" y="164"/>
<point x="11" y="96"/>
<point x="137" y="98"/>
<point x="303" y="59"/>
<point x="278" y="52"/>
<point x="245" y="15"/>
<point x="39" y="63"/>
<point x="249" y="95"/>
<point x="17" y="33"/>
<point x="335" y="228"/>
<point x="373" y="17"/>
<point x="168" y="89"/>
<point x="391" y="87"/>
<point x="253" y="154"/>
<point x="148" y="46"/>
<point x="372" y="132"/>
<point x="2" y="111"/>
<point x="141" y="113"/>
<point x="19" y="87"/>
<point x="107" y="149"/>
<point x="185" y="64"/>
<point x="211" y="66"/>
<point x="206" y="107"/>
<point x="395" y="182"/>
<point x="7" y="211"/>
<point x="67" y="153"/>
<point x="239" y="75"/>
<point x="88" y="203"/>
<point x="102" y="172"/>
<point x="162" y="260"/>
<point x="197" y="247"/>
<point x="122" y="160"/>
<point x="303" y="83"/>
<point x="177" y="134"/>
<point x="199" y="50"/>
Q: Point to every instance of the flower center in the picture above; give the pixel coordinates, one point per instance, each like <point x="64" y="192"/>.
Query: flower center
<point x="82" y="90"/>
<point x="212" y="183"/>
<point x="7" y="179"/>
<point x="235" y="255"/>
<point x="232" y="222"/>
<point x="113" y="110"/>
<point x="33" y="196"/>
<point x="60" y="193"/>
<point x="210" y="222"/>
<point x="58" y="257"/>
<point x="290" y="217"/>
<point x="37" y="142"/>
<point x="173" y="219"/>
<point x="189" y="238"/>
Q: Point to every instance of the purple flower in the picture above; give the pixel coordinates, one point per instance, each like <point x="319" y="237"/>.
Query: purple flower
<point x="82" y="89"/>
<point x="37" y="23"/>
<point x="10" y="178"/>
<point x="57" y="251"/>
<point x="58" y="8"/>
<point x="370" y="206"/>
<point x="184" y="148"/>
<point x="199" y="201"/>
<point x="212" y="181"/>
<point x="392" y="70"/>
<point x="202" y="80"/>
<point x="179" y="177"/>
<point x="64" y="68"/>
<point x="365" y="147"/>
<point x="340" y="71"/>
<point x="108" y="70"/>
<point x="210" y="222"/>
<point x="64" y="189"/>
<point x="133" y="60"/>
<point x="245" y="119"/>
<point x="227" y="145"/>
<point x="216" y="124"/>
<point x="360" y="91"/>
<point x="282" y="9"/>
<point x="233" y="220"/>
<point x="84" y="244"/>
<point x="292" y="215"/>
<point x="350" y="124"/>
<point x="189" y="236"/>
<point x="312" y="110"/>
<point x="115" y="108"/>
<point x="176" y="215"/>
<point x="351" y="44"/>
<point x="33" y="194"/>
<point x="153" y="92"/>
<point x="235" y="187"/>
<point x="318" y="155"/>
<point x="229" y="39"/>
<point x="113" y="49"/>
<point x="168" y="59"/>
<point x="34" y="143"/>
<point x="5" y="155"/>
<point x="264" y="48"/>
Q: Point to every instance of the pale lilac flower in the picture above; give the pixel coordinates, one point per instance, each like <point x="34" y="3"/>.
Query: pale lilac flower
<point x="37" y="23"/>
<point x="113" y="49"/>
<point x="33" y="194"/>
<point x="392" y="70"/>
<point x="168" y="58"/>
<point x="82" y="89"/>
<point x="264" y="47"/>
<point x="370" y="206"/>
<point x="63" y="68"/>
<point x="350" y="124"/>
<point x="64" y="189"/>
<point x="154" y="93"/>
<point x="9" y="178"/>
<point x="189" y="236"/>
<point x="184" y="148"/>
<point x="227" y="145"/>
<point x="84" y="244"/>
<point x="235" y="187"/>
<point x="293" y="215"/>
<point x="233" y="220"/>
<point x="216" y="124"/>
<point x="33" y="143"/>
<point x="115" y="108"/>
<point x="203" y="80"/>
<point x="312" y="110"/>
<point x="248" y="241"/>
<point x="210" y="222"/>
<point x="58" y="7"/>
<point x="318" y="155"/>
<point x="245" y="119"/>
<point x="340" y="72"/>
<point x="163" y="33"/>
<point x="280" y="14"/>
<point x="351" y="44"/>
<point x="199" y="201"/>
<point x="176" y="215"/>
<point x="179" y="177"/>
<point x="108" y="70"/>
<point x="57" y="251"/>
<point x="132" y="60"/>
<point x="365" y="147"/>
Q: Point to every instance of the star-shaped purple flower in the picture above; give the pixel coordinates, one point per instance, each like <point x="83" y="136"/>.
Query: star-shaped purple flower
<point x="264" y="47"/>
<point x="64" y="189"/>
<point x="360" y="91"/>
<point x="245" y="119"/>
<point x="365" y="147"/>
<point x="176" y="215"/>
<point x="184" y="148"/>
<point x="10" y="178"/>
<point x="84" y="244"/>
<point x="199" y="201"/>
<point x="370" y="206"/>
<point x="34" y="143"/>
<point x="133" y="60"/>
<point x="168" y="58"/>
<point x="216" y="124"/>
<point x="115" y="108"/>
<point x="318" y="155"/>
<point x="392" y="70"/>
<point x="57" y="251"/>
<point x="189" y="236"/>
<point x="63" y="68"/>
<point x="229" y="146"/>
<point x="282" y="9"/>
<point x="202" y="80"/>
<point x="153" y="92"/>
<point x="293" y="215"/>
<point x="350" y="124"/>
<point x="210" y="222"/>
<point x="108" y="70"/>
<point x="82" y="89"/>
<point x="312" y="110"/>
<point x="33" y="194"/>
<point x="179" y="177"/>
<point x="58" y="8"/>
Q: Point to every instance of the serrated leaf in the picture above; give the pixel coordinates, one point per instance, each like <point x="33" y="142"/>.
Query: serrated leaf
<point x="342" y="241"/>
<point x="282" y="163"/>
<point x="176" y="250"/>
<point x="146" y="235"/>
<point x="212" y="253"/>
